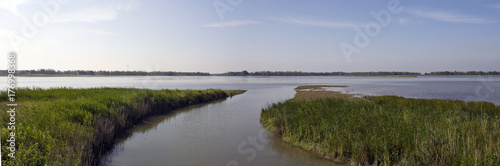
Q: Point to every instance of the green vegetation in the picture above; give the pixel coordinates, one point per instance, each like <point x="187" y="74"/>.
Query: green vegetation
<point x="389" y="130"/>
<point x="64" y="126"/>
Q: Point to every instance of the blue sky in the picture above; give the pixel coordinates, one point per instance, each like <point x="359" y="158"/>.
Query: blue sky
<point x="235" y="35"/>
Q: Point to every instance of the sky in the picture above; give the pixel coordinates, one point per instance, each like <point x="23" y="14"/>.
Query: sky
<point x="256" y="35"/>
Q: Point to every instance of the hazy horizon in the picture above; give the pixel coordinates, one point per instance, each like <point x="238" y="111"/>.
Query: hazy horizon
<point x="218" y="36"/>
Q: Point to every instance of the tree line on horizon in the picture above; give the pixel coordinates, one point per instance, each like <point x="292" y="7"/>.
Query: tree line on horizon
<point x="299" y="73"/>
<point x="379" y="73"/>
<point x="244" y="73"/>
<point x="463" y="73"/>
<point x="105" y="73"/>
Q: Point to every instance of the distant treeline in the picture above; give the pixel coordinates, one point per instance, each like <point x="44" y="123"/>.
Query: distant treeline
<point x="105" y="73"/>
<point x="298" y="73"/>
<point x="244" y="73"/>
<point x="440" y="73"/>
<point x="379" y="73"/>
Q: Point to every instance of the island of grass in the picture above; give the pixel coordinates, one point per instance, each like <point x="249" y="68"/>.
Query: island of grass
<point x="388" y="130"/>
<point x="64" y="126"/>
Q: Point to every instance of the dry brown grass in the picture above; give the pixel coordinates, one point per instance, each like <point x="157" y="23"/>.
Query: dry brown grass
<point x="309" y="92"/>
<point x="318" y="87"/>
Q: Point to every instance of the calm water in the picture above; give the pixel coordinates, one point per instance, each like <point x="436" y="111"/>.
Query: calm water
<point x="228" y="132"/>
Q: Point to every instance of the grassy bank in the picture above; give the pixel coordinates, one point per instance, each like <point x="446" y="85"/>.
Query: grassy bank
<point x="64" y="126"/>
<point x="389" y="130"/>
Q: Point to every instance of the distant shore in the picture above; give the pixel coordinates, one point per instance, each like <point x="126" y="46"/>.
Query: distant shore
<point x="76" y="73"/>
<point x="73" y="75"/>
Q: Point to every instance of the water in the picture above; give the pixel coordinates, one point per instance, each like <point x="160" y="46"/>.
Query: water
<point x="228" y="132"/>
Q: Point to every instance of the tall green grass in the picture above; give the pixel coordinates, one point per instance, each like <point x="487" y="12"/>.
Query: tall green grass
<point x="390" y="130"/>
<point x="64" y="126"/>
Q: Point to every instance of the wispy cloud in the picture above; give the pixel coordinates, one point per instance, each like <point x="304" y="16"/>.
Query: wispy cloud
<point x="94" y="14"/>
<point x="89" y="15"/>
<point x="316" y="23"/>
<point x="450" y="17"/>
<point x="231" y="23"/>
<point x="11" y="5"/>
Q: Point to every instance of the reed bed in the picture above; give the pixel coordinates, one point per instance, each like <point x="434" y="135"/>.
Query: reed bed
<point x="66" y="126"/>
<point x="389" y="130"/>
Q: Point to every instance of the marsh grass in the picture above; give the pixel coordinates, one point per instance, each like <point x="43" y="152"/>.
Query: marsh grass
<point x="65" y="126"/>
<point x="390" y="130"/>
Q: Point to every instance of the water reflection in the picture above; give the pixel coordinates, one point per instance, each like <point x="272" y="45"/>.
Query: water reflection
<point x="149" y="125"/>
